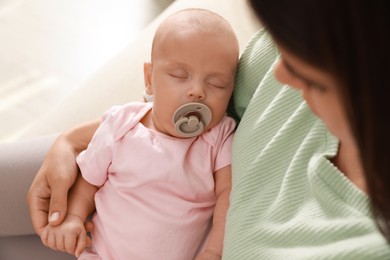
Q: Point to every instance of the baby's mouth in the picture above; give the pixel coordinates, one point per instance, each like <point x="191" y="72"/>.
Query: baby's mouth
<point x="191" y="119"/>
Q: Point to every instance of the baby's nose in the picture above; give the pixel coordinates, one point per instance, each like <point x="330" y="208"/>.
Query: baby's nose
<point x="196" y="92"/>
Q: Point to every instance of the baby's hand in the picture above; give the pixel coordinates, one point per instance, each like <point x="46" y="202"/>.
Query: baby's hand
<point x="208" y="255"/>
<point x="70" y="236"/>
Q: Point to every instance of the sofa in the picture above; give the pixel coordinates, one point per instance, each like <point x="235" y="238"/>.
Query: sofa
<point x="119" y="81"/>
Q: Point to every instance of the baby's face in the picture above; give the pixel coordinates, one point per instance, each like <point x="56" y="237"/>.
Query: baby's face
<point x="192" y="66"/>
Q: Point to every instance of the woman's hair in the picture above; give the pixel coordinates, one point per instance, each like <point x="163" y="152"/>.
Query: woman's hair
<point x="350" y="40"/>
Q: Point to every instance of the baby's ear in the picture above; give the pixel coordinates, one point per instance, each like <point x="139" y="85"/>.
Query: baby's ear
<point x="148" y="69"/>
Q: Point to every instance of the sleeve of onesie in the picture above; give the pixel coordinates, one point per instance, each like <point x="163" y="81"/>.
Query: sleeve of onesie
<point x="95" y="161"/>
<point x="224" y="144"/>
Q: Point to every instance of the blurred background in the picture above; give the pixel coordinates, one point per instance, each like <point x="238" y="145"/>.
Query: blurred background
<point x="48" y="48"/>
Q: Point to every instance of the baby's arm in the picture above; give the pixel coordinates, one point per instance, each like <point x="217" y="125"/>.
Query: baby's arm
<point x="71" y="236"/>
<point x="223" y="183"/>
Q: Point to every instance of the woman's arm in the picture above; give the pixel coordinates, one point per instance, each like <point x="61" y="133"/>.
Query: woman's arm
<point x="47" y="197"/>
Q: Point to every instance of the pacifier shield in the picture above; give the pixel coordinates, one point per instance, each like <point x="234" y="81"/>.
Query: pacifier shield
<point x="190" y="119"/>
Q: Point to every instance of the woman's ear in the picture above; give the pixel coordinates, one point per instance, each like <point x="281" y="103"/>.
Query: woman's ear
<point x="148" y="69"/>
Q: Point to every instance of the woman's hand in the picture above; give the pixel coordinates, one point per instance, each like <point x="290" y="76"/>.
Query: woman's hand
<point x="47" y="197"/>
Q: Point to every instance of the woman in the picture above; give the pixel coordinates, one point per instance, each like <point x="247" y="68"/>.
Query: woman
<point x="305" y="185"/>
<point x="346" y="43"/>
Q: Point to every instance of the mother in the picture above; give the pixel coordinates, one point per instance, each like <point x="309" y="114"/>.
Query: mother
<point x="305" y="185"/>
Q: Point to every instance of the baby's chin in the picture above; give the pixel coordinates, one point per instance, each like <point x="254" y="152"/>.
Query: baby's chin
<point x="175" y="134"/>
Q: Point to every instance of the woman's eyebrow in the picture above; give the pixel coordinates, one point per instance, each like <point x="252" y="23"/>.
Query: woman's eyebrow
<point x="294" y="72"/>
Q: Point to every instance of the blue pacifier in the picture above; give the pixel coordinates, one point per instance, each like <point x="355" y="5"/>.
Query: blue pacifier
<point x="191" y="119"/>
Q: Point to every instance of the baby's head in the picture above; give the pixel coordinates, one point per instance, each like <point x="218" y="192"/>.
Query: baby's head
<point x="194" y="59"/>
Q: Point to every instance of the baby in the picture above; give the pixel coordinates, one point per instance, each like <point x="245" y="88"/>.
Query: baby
<point x="159" y="173"/>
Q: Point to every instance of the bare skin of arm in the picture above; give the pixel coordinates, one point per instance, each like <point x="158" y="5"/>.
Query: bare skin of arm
<point x="47" y="197"/>
<point x="71" y="236"/>
<point x="214" y="246"/>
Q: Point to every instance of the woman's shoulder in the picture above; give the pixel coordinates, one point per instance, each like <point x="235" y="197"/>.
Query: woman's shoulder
<point x="255" y="65"/>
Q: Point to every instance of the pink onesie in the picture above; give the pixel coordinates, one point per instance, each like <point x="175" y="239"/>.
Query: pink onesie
<point x="157" y="192"/>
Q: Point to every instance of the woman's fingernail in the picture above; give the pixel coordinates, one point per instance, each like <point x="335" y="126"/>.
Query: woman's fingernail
<point x="54" y="216"/>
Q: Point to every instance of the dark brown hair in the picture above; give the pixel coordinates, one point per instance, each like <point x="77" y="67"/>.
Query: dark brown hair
<point x="350" y="40"/>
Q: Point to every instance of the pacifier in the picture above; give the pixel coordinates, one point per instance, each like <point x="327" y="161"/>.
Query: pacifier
<point x="190" y="119"/>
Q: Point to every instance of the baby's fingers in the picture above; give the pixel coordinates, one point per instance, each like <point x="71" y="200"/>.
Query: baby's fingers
<point x="60" y="244"/>
<point x="44" y="236"/>
<point x="81" y="244"/>
<point x="48" y="238"/>
<point x="70" y="243"/>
